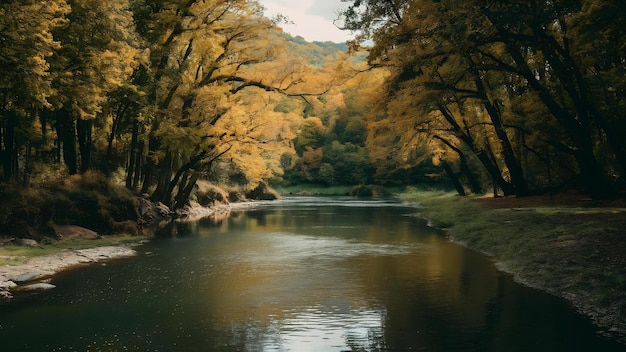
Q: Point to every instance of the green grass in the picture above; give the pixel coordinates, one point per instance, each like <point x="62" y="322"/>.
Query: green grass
<point x="16" y="255"/>
<point x="309" y="189"/>
<point x="570" y="251"/>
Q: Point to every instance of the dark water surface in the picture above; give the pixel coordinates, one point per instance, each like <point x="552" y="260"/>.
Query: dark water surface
<point x="302" y="274"/>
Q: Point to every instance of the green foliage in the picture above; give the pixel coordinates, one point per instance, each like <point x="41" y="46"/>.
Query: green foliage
<point x="369" y="191"/>
<point x="307" y="189"/>
<point x="312" y="134"/>
<point x="316" y="53"/>
<point x="545" y="242"/>
<point x="350" y="162"/>
<point x="88" y="200"/>
<point x="25" y="50"/>
<point x="95" y="204"/>
<point x="25" y="213"/>
<point x="506" y="81"/>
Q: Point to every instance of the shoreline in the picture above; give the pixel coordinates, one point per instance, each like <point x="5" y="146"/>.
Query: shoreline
<point x="35" y="274"/>
<point x="568" y="247"/>
<point x="509" y="226"/>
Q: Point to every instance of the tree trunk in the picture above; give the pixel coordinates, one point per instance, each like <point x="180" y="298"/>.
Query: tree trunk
<point x="84" y="132"/>
<point x="512" y="163"/>
<point x="184" y="192"/>
<point x="475" y="186"/>
<point x="9" y="147"/>
<point x="117" y="118"/>
<point x="160" y="194"/>
<point x="132" y="159"/>
<point x="148" y="170"/>
<point x="183" y="170"/>
<point x="138" y="165"/>
<point x="453" y="178"/>
<point x="43" y="120"/>
<point x="66" y="133"/>
<point x="27" y="165"/>
<point x="481" y="154"/>
<point x="594" y="180"/>
<point x="593" y="177"/>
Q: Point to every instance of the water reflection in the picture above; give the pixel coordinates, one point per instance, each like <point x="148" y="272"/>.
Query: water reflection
<point x="294" y="276"/>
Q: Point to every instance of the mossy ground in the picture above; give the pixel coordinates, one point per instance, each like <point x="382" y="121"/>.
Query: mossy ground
<point x="568" y="245"/>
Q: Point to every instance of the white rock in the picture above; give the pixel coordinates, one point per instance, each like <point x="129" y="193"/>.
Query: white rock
<point x="38" y="287"/>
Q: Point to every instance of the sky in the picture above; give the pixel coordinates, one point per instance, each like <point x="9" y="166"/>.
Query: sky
<point x="313" y="19"/>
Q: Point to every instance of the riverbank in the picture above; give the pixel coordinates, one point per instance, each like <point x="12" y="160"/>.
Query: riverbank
<point x="28" y="265"/>
<point x="35" y="273"/>
<point x="567" y="245"/>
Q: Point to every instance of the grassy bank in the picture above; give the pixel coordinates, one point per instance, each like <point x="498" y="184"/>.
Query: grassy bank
<point x="16" y="255"/>
<point x="567" y="245"/>
<point x="316" y="190"/>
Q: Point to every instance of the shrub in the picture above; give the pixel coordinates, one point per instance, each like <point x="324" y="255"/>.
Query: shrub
<point x="369" y="191"/>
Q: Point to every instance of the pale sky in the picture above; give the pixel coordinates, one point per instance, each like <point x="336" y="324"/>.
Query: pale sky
<point x="313" y="19"/>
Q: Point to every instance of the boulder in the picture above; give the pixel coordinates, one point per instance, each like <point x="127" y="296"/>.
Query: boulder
<point x="27" y="277"/>
<point x="41" y="286"/>
<point x="26" y="242"/>
<point x="151" y="213"/>
<point x="68" y="232"/>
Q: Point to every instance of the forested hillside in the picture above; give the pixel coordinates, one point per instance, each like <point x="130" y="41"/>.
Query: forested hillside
<point x="516" y="97"/>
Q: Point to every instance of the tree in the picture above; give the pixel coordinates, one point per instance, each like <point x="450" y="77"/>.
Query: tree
<point x="203" y="54"/>
<point x="98" y="54"/>
<point x="26" y="46"/>
<point x="483" y="59"/>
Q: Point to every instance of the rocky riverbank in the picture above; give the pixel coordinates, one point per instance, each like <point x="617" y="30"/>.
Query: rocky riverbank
<point x="36" y="272"/>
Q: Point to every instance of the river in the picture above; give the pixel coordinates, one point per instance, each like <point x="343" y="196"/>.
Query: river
<point x="300" y="274"/>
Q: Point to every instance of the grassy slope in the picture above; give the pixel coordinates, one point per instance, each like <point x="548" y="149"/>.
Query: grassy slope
<point x="568" y="247"/>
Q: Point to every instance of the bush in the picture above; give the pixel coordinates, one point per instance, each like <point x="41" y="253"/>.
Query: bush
<point x="25" y="212"/>
<point x="95" y="203"/>
<point x="88" y="200"/>
<point x="369" y="191"/>
<point x="263" y="192"/>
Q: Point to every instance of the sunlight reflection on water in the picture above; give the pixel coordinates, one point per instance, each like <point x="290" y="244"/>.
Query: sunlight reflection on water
<point x="302" y="274"/>
<point x="281" y="247"/>
<point x="318" y="329"/>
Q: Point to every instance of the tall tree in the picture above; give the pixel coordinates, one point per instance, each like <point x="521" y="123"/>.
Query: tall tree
<point x="498" y="54"/>
<point x="26" y="46"/>
<point x="99" y="54"/>
<point x="201" y="54"/>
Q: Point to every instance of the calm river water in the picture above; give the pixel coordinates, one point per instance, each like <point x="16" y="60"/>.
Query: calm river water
<point x="301" y="274"/>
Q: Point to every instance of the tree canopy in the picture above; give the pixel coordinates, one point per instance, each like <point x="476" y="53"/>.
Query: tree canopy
<point x="514" y="89"/>
<point x="521" y="97"/>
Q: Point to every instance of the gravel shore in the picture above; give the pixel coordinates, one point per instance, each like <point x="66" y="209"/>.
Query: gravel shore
<point x="34" y="274"/>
